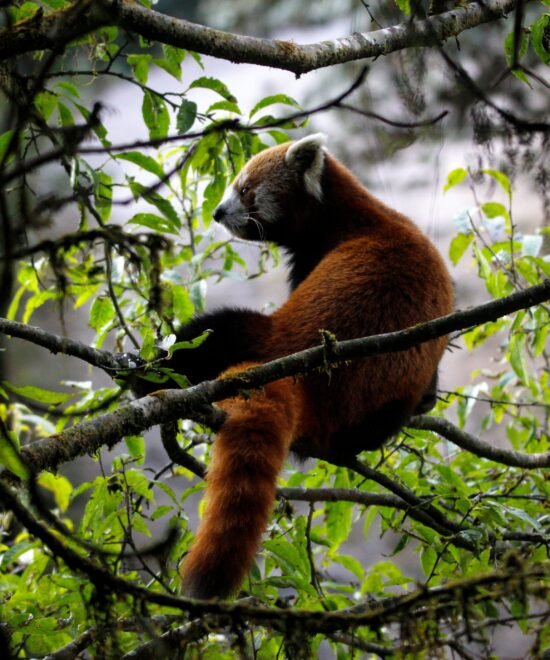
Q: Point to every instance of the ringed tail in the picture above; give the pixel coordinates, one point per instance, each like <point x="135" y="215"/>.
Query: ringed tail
<point x="247" y="456"/>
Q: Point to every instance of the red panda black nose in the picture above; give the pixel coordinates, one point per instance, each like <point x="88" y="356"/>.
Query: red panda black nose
<point x="219" y="213"/>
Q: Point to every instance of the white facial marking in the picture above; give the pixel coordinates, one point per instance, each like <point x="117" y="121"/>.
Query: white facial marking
<point x="267" y="202"/>
<point x="230" y="194"/>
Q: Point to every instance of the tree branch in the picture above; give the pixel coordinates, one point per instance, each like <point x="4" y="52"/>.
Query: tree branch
<point x="58" y="344"/>
<point x="194" y="402"/>
<point x="56" y="29"/>
<point x="476" y="446"/>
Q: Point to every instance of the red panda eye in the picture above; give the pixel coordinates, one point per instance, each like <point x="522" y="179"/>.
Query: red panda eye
<point x="244" y="190"/>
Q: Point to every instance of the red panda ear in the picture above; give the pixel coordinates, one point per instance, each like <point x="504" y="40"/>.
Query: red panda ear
<point x="306" y="157"/>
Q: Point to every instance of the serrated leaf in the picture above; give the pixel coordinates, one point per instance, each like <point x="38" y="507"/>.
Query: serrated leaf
<point x="215" y="85"/>
<point x="145" y="162"/>
<point x="185" y="118"/>
<point x="455" y="177"/>
<point x="272" y="100"/>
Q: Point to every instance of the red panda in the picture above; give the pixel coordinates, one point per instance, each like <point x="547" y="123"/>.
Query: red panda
<point x="357" y="268"/>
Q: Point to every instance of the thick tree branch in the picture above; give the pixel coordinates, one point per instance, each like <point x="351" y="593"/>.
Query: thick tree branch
<point x="467" y="441"/>
<point x="53" y="30"/>
<point x="194" y="403"/>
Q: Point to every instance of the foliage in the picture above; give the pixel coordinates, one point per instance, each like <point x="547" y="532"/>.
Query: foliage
<point x="144" y="273"/>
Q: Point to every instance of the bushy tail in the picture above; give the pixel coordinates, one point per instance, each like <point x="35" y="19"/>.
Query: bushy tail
<point x="248" y="454"/>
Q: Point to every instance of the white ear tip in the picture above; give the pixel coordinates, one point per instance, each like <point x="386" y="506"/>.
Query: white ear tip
<point x="306" y="144"/>
<point x="315" y="138"/>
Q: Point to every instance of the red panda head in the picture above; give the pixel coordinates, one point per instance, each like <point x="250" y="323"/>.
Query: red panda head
<point x="266" y="194"/>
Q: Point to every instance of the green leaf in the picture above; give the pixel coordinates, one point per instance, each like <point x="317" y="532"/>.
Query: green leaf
<point x="5" y="139"/>
<point x="193" y="343"/>
<point x="458" y="247"/>
<point x="142" y="160"/>
<point x="155" y="222"/>
<point x="161" y="511"/>
<point x="155" y="115"/>
<point x="338" y="515"/>
<point x="495" y="210"/>
<point x="288" y="556"/>
<point x="182" y="305"/>
<point x="455" y="177"/>
<point x="501" y="179"/>
<point x="516" y="349"/>
<point x="539" y="29"/>
<point x="185" y="118"/>
<point x="215" y="85"/>
<point x="140" y="66"/>
<point x="60" y="486"/>
<point x="171" y="68"/>
<point x="98" y="128"/>
<point x="404" y="5"/>
<point x="160" y="202"/>
<point x="10" y="457"/>
<point x="69" y="88"/>
<point x="39" y="394"/>
<point x="65" y="115"/>
<point x="509" y="43"/>
<point x="136" y="446"/>
<point x="228" y="106"/>
<point x="272" y="100"/>
<point x="428" y="557"/>
<point x="103" y="193"/>
<point x="102" y="312"/>
<point x="46" y="102"/>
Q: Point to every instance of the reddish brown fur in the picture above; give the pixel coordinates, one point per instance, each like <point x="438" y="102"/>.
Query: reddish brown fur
<point x="376" y="272"/>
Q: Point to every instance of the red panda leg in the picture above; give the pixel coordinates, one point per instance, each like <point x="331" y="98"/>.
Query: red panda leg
<point x="248" y="454"/>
